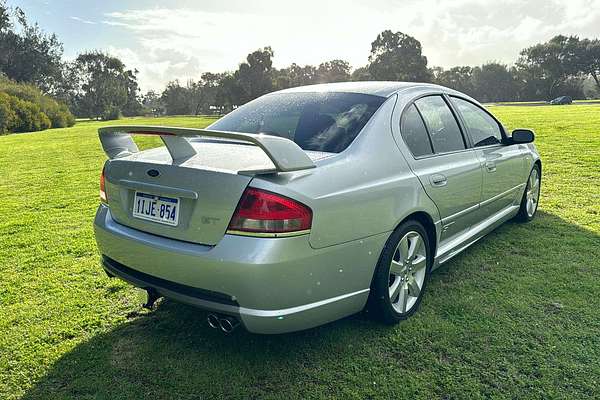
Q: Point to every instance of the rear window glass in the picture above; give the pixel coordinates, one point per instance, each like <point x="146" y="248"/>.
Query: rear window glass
<point x="315" y="121"/>
<point x="441" y="124"/>
<point x="414" y="132"/>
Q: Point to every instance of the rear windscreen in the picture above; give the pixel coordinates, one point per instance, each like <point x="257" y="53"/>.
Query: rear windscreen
<point x="315" y="121"/>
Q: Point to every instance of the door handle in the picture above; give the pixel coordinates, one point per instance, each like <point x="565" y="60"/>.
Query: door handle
<point x="490" y="166"/>
<point x="438" y="180"/>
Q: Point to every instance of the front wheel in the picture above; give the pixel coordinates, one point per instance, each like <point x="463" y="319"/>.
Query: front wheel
<point x="531" y="197"/>
<point x="401" y="274"/>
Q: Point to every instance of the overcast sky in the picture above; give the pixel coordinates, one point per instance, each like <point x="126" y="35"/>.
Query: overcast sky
<point x="181" y="39"/>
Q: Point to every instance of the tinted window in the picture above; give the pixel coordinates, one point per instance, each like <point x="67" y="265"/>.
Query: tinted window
<point x="482" y="128"/>
<point x="441" y="124"/>
<point x="315" y="121"/>
<point x="414" y="132"/>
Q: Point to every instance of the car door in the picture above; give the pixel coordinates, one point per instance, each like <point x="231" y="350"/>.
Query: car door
<point x="502" y="164"/>
<point x="449" y="171"/>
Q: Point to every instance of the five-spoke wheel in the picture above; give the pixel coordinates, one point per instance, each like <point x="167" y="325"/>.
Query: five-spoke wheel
<point x="401" y="275"/>
<point x="407" y="271"/>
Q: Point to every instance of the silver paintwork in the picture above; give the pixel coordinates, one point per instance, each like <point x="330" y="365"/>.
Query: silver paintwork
<point x="358" y="198"/>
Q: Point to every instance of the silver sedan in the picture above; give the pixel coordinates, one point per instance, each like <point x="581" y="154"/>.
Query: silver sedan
<point x="309" y="204"/>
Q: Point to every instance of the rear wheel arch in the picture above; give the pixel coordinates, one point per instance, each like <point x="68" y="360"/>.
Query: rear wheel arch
<point x="530" y="197"/>
<point x="427" y="221"/>
<point x="378" y="304"/>
<point x="538" y="162"/>
<point x="424" y="219"/>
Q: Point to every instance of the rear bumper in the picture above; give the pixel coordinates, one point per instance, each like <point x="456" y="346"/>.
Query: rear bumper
<point x="273" y="285"/>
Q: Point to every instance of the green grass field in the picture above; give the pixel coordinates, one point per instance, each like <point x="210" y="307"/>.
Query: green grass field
<point x="515" y="316"/>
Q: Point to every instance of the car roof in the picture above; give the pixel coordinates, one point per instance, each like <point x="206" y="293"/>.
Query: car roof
<point x="376" y="88"/>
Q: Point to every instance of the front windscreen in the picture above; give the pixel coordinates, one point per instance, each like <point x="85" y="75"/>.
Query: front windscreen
<point x="315" y="121"/>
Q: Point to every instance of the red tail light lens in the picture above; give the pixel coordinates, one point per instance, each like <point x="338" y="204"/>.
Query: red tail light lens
<point x="260" y="211"/>
<point x="102" y="187"/>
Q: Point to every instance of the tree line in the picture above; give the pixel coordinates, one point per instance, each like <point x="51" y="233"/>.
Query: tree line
<point x="564" y="65"/>
<point x="98" y="85"/>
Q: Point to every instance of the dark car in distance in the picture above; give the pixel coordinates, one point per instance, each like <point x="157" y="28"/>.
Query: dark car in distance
<point x="561" y="100"/>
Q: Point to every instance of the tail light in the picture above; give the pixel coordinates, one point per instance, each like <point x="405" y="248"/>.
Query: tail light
<point x="102" y="187"/>
<point x="265" y="213"/>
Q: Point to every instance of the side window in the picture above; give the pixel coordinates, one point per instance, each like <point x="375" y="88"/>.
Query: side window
<point x="441" y="124"/>
<point x="414" y="132"/>
<point x="482" y="128"/>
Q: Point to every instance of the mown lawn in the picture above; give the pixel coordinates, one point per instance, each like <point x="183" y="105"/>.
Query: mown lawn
<point x="516" y="316"/>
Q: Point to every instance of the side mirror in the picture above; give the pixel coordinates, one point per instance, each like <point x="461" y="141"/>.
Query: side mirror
<point x="522" y="136"/>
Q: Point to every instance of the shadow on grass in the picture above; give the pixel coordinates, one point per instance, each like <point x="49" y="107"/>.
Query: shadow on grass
<point x="172" y="353"/>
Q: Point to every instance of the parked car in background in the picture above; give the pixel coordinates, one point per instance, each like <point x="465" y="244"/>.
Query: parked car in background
<point x="309" y="204"/>
<point x="561" y="100"/>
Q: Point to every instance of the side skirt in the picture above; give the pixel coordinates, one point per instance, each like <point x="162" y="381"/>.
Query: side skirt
<point x="460" y="243"/>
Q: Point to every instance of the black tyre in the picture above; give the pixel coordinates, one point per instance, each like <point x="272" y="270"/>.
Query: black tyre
<point x="531" y="196"/>
<point x="401" y="274"/>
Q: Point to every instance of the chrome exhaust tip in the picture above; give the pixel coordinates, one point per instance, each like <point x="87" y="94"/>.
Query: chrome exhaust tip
<point x="228" y="324"/>
<point x="213" y="321"/>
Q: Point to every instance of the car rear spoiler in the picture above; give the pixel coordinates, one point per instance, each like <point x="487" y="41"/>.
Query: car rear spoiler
<point x="284" y="153"/>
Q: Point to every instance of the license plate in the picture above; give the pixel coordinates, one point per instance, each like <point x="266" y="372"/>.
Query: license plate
<point x="161" y="209"/>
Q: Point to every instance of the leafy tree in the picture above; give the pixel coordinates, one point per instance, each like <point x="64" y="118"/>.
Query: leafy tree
<point x="531" y="82"/>
<point x="212" y="93"/>
<point x="295" y="75"/>
<point x="457" y="78"/>
<point x="493" y="82"/>
<point x="590" y="59"/>
<point x="176" y="99"/>
<point x="4" y="16"/>
<point x="152" y="102"/>
<point x="28" y="54"/>
<point x="215" y="96"/>
<point x="333" y="71"/>
<point x="590" y="89"/>
<point x="573" y="86"/>
<point x="255" y="76"/>
<point x="229" y="94"/>
<point x="361" y="74"/>
<point x="553" y="62"/>
<point x="397" y="57"/>
<point x="133" y="105"/>
<point x="103" y="88"/>
<point x="194" y="98"/>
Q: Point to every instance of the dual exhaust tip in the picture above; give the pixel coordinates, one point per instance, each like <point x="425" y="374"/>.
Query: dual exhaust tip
<point x="225" y="323"/>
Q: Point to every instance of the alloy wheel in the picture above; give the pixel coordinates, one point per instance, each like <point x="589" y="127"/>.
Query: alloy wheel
<point x="407" y="272"/>
<point x="533" y="192"/>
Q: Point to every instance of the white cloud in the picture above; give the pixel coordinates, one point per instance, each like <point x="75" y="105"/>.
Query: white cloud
<point x="83" y="21"/>
<point x="183" y="43"/>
